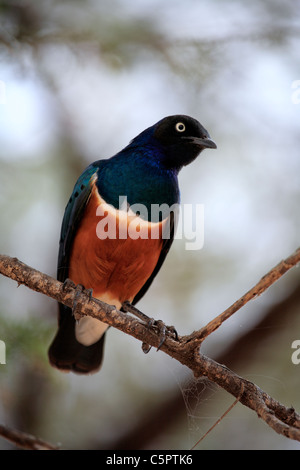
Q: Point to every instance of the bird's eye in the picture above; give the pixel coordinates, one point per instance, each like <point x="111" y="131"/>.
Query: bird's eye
<point x="180" y="127"/>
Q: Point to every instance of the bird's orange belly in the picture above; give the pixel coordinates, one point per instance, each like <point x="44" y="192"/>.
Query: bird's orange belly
<point x="117" y="264"/>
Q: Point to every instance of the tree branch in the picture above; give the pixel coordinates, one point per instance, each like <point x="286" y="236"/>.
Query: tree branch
<point x="24" y="440"/>
<point x="185" y="349"/>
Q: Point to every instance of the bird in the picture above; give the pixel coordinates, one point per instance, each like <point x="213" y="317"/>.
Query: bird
<point x="111" y="197"/>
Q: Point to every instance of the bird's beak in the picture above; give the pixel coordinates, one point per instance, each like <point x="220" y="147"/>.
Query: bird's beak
<point x="206" y="142"/>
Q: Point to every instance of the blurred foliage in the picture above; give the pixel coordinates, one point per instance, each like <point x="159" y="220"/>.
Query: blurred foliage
<point x="82" y="78"/>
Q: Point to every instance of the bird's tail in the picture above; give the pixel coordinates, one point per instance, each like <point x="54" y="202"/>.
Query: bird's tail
<point x="67" y="354"/>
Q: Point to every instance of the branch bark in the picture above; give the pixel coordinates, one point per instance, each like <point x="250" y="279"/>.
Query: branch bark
<point x="185" y="349"/>
<point x="24" y="440"/>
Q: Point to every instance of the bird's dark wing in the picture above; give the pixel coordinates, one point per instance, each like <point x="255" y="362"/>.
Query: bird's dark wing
<point x="66" y="352"/>
<point x="72" y="217"/>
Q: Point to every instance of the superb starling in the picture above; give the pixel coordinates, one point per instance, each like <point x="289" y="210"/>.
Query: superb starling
<point x="111" y="239"/>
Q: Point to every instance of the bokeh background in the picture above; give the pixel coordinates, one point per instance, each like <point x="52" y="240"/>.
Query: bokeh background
<point x="79" y="79"/>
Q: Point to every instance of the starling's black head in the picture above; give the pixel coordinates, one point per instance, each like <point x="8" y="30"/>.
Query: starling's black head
<point x="182" y="138"/>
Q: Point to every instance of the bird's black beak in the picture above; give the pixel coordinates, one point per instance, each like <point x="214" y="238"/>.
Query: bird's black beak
<point x="205" y="142"/>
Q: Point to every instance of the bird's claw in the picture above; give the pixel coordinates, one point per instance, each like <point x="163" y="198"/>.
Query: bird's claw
<point x="158" y="325"/>
<point x="89" y="293"/>
<point x="68" y="284"/>
<point x="79" y="289"/>
<point x="164" y="331"/>
<point x="146" y="348"/>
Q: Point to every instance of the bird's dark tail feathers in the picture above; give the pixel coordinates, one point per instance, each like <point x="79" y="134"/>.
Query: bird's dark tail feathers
<point x="67" y="354"/>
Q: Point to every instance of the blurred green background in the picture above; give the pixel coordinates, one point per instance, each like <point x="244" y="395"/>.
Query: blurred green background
<point x="79" y="79"/>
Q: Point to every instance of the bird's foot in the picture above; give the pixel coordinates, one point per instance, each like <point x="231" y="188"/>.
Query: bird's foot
<point x="158" y="325"/>
<point x="79" y="289"/>
<point x="68" y="284"/>
<point x="164" y="331"/>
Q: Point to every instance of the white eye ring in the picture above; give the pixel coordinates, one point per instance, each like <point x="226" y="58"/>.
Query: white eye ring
<point x="180" y="127"/>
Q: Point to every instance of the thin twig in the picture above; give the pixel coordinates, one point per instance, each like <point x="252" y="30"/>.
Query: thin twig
<point x="266" y="281"/>
<point x="24" y="440"/>
<point x="220" y="419"/>
<point x="285" y="421"/>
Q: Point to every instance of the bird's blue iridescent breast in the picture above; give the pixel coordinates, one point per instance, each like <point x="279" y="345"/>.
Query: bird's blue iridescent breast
<point x="138" y="176"/>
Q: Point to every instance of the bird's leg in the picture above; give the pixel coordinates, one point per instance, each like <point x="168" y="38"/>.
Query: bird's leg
<point x="159" y="325"/>
<point x="128" y="307"/>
